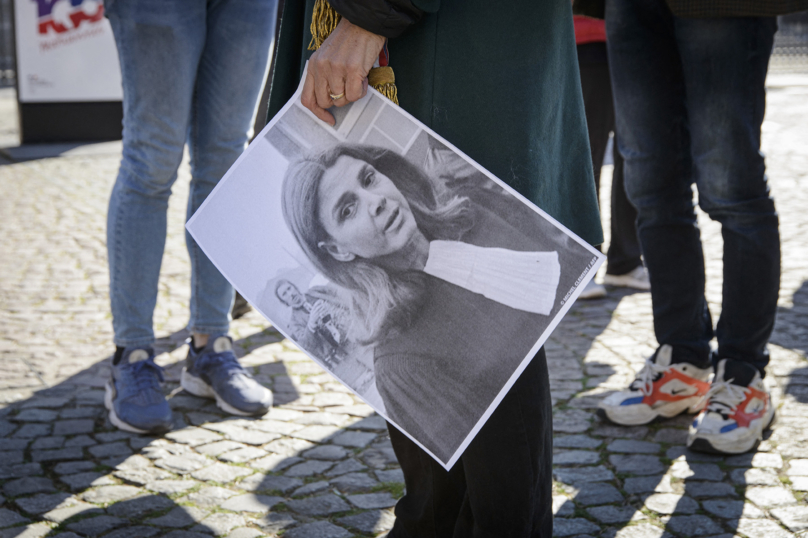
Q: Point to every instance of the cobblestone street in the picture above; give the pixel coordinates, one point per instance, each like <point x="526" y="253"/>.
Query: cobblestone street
<point x="320" y="464"/>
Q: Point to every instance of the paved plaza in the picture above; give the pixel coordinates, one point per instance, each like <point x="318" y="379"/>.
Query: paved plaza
<point x="320" y="464"/>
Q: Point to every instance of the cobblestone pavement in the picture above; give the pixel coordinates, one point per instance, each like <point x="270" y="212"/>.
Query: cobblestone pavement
<point x="320" y="464"/>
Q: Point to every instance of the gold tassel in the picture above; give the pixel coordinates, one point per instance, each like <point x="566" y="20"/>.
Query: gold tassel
<point x="323" y="21"/>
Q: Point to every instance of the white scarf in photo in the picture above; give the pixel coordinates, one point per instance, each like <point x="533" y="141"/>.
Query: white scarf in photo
<point x="522" y="280"/>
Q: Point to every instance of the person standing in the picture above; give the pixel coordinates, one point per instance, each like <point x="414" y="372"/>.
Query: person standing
<point x="688" y="79"/>
<point x="192" y="72"/>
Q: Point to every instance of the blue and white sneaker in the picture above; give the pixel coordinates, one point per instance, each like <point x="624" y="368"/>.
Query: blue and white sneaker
<point x="214" y="372"/>
<point x="133" y="396"/>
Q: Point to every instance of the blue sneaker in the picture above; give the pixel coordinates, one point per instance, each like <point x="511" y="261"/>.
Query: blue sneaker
<point x="133" y="396"/>
<point x="214" y="372"/>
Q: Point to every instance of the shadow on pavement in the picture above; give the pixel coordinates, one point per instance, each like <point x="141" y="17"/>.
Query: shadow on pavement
<point x="66" y="471"/>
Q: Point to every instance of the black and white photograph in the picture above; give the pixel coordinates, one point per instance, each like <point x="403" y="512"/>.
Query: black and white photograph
<point x="415" y="277"/>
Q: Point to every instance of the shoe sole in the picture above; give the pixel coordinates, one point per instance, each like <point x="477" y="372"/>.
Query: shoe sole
<point x="700" y="444"/>
<point x="198" y="387"/>
<point x="116" y="420"/>
<point x="625" y="284"/>
<point x="653" y="415"/>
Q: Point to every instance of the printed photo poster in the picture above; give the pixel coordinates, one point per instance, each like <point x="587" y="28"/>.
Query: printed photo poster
<point x="415" y="277"/>
<point x="65" y="52"/>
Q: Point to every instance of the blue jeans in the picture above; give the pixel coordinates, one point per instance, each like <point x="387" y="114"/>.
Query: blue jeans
<point x="192" y="72"/>
<point x="689" y="101"/>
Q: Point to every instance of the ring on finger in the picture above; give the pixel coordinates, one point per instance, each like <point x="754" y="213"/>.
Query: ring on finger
<point x="337" y="96"/>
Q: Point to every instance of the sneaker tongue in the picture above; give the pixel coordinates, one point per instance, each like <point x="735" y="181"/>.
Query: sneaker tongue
<point x="741" y="373"/>
<point x="137" y="355"/>
<point x="222" y="344"/>
<point x="664" y="355"/>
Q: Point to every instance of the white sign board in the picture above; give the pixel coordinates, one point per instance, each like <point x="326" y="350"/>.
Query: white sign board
<point x="65" y="52"/>
<point x="422" y="282"/>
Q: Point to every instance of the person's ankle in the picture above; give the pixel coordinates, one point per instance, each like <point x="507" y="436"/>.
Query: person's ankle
<point x="199" y="341"/>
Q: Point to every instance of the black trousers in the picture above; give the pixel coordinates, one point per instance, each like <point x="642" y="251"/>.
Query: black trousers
<point x="624" y="247"/>
<point x="502" y="485"/>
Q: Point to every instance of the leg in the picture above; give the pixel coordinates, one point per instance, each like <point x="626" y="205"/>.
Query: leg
<point x="231" y="72"/>
<point x="501" y="487"/>
<point x="624" y="248"/>
<point x="159" y="44"/>
<point x="654" y="140"/>
<point x="725" y="63"/>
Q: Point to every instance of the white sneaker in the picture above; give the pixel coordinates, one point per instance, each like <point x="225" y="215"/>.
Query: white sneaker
<point x="593" y="290"/>
<point x="637" y="279"/>
<point x="739" y="408"/>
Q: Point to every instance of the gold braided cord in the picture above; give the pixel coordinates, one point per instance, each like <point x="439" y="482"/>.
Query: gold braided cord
<point x="323" y="21"/>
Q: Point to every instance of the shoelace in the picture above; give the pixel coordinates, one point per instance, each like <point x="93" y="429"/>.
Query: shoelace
<point x="724" y="397"/>
<point x="645" y="379"/>
<point x="140" y="374"/>
<point x="226" y="360"/>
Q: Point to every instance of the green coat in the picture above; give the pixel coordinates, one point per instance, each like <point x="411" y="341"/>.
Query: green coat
<point x="499" y="80"/>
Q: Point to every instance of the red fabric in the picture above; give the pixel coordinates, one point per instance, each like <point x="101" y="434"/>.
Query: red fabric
<point x="589" y="30"/>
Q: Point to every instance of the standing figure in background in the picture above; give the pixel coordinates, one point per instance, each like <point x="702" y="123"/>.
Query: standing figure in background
<point x="624" y="265"/>
<point x="688" y="80"/>
<point x="192" y="72"/>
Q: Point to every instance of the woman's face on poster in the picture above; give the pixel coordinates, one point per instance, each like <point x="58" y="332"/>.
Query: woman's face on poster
<point x="362" y="211"/>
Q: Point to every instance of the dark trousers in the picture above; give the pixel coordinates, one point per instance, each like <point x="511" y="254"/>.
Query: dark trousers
<point x="624" y="246"/>
<point x="689" y="100"/>
<point x="502" y="485"/>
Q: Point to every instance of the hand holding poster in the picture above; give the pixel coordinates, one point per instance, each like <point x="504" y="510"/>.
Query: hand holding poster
<point x="415" y="277"/>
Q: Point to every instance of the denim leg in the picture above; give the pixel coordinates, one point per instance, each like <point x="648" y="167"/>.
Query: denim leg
<point x="159" y="44"/>
<point x="725" y="62"/>
<point x="624" y="253"/>
<point x="231" y="71"/>
<point x="652" y="120"/>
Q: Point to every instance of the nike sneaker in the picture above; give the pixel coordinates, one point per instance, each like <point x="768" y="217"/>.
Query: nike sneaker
<point x="738" y="410"/>
<point x="661" y="389"/>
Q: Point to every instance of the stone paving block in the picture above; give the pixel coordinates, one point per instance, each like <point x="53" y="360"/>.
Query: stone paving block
<point x="117" y="435"/>
<point x="704" y="490"/>
<point x="185" y="464"/>
<point x="37" y="530"/>
<point x="80" y="481"/>
<point x="275" y="522"/>
<point x="81" y="412"/>
<point x="193" y="436"/>
<point x="620" y="432"/>
<point x="693" y="525"/>
<point x="138" y="531"/>
<point x="767" y="460"/>
<point x="35" y="415"/>
<point x="251" y="503"/>
<point x="186" y="534"/>
<point x="181" y="516"/>
<point x="571" y="526"/>
<point x="562" y="506"/>
<point x="671" y="436"/>
<point x="754" y="477"/>
<point x="572" y="421"/>
<point x="110" y="494"/>
<point x="275" y="462"/>
<point x="319" y="506"/>
<point x="676" y="452"/>
<point x="697" y="471"/>
<point x="797" y="467"/>
<point x="242" y="435"/>
<point x="267" y="483"/>
<point x="209" y="497"/>
<point x="12" y="457"/>
<point x="48" y="402"/>
<point x="44" y="502"/>
<point x="643" y="530"/>
<point x="326" y="452"/>
<point x="138" y="507"/>
<point x="373" y="423"/>
<point x="9" y="518"/>
<point x="242" y="455"/>
<point x="220" y="523"/>
<point x="316" y="434"/>
<point x="596" y="493"/>
<point x="108" y="450"/>
<point x="759" y="528"/>
<point x="353" y="439"/>
<point x="20" y="470"/>
<point x="370" y="522"/>
<point x="670" y="503"/>
<point x="379" y="458"/>
<point x="220" y="472"/>
<point x="636" y="464"/>
<point x="768" y="497"/>
<point x="60" y="515"/>
<point x="73" y="427"/>
<point x="354" y="483"/>
<point x="285" y="428"/>
<point x="61" y="454"/>
<point x="245" y="532"/>
<point x="793" y="517"/>
<point x="30" y="431"/>
<point x="583" y="475"/>
<point x="348" y="466"/>
<point x="332" y="399"/>
<point x="45" y="443"/>
<point x="575" y="441"/>
<point x="311" y="488"/>
<point x="289" y="446"/>
<point x="219" y="447"/>
<point x="142" y="476"/>
<point x="393" y="475"/>
<point x="319" y="529"/>
<point x="799" y="483"/>
<point x="632" y="446"/>
<point x="309" y="468"/>
<point x="27" y="486"/>
<point x="13" y="444"/>
<point x="169" y="487"/>
<point x="614" y="514"/>
<point x="80" y="441"/>
<point x="369" y="501"/>
<point x="576" y="457"/>
<point x="648" y="484"/>
<point x="732" y="509"/>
